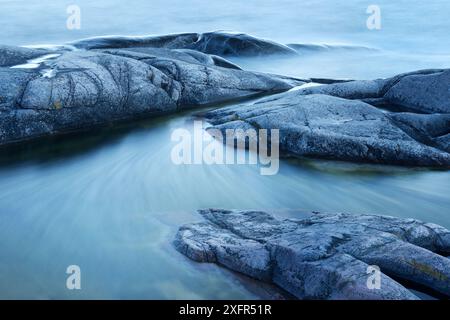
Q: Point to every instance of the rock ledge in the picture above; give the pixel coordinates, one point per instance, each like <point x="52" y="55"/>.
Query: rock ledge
<point x="325" y="256"/>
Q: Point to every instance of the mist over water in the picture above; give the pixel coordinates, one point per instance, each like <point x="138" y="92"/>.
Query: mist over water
<point x="413" y="34"/>
<point x="407" y="26"/>
<point x="111" y="201"/>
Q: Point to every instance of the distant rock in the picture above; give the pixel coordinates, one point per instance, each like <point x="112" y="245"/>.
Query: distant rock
<point x="221" y="43"/>
<point x="238" y="44"/>
<point x="325" y="256"/>
<point x="216" y="43"/>
<point x="172" y="41"/>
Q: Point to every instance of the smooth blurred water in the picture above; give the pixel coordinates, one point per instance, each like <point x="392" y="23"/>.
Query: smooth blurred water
<point x="413" y="35"/>
<point x="111" y="201"/>
<point x="409" y="26"/>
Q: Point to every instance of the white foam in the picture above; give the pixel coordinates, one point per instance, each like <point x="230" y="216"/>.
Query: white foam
<point x="306" y="85"/>
<point x="35" y="63"/>
<point x="48" y="73"/>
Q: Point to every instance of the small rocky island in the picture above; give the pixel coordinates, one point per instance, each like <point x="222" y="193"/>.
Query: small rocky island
<point x="403" y="120"/>
<point x="325" y="256"/>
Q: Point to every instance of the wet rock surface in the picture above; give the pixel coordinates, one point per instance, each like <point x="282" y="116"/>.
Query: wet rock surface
<point x="324" y="256"/>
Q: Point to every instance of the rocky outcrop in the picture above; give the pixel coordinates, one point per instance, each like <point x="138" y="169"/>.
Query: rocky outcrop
<point x="430" y="129"/>
<point x="324" y="256"/>
<point x="219" y="43"/>
<point x="110" y="79"/>
<point x="424" y="91"/>
<point x="216" y="43"/>
<point x="186" y="55"/>
<point x="329" y="127"/>
<point x="81" y="89"/>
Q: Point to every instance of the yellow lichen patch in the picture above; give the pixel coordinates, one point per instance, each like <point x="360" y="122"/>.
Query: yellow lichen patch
<point x="428" y="270"/>
<point x="57" y="105"/>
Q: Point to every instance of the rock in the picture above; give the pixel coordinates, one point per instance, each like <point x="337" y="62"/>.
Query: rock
<point x="324" y="256"/>
<point x="430" y="129"/>
<point x="424" y="91"/>
<point x="83" y="89"/>
<point x="328" y="127"/>
<point x="361" y="89"/>
<point x="216" y="43"/>
<point x="219" y="43"/>
<point x="238" y="44"/>
<point x="172" y="41"/>
<point x="11" y="55"/>
<point x="186" y="55"/>
<point x="421" y="92"/>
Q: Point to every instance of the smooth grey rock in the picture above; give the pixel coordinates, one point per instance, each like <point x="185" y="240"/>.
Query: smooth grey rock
<point x="12" y="85"/>
<point x="426" y="93"/>
<point x="423" y="91"/>
<point x="186" y="55"/>
<point x="430" y="129"/>
<point x="361" y="89"/>
<point x="82" y="89"/>
<point x="238" y="44"/>
<point x="172" y="41"/>
<point x="216" y="43"/>
<point x="323" y="126"/>
<point x="12" y="55"/>
<point x="324" y="256"/>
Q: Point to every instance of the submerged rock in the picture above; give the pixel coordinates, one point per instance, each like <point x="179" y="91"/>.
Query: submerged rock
<point x="82" y="89"/>
<point x="325" y="256"/>
<point x="325" y="126"/>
